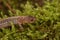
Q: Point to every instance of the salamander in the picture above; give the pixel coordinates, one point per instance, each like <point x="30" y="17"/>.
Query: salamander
<point x="16" y="20"/>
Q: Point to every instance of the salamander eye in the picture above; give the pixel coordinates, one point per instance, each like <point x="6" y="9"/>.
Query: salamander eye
<point x="31" y="19"/>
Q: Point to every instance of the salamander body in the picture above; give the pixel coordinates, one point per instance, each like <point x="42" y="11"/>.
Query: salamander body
<point x="16" y="20"/>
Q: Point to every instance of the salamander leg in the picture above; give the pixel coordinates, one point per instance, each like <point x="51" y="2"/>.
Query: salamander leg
<point x="21" y="27"/>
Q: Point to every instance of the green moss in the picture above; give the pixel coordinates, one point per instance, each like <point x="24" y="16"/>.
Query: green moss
<point x="46" y="26"/>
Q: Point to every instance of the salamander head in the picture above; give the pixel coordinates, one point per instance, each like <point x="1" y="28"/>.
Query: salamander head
<point x="29" y="19"/>
<point x="26" y="19"/>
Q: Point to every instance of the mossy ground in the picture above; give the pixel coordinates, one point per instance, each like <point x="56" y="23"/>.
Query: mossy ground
<point x="46" y="26"/>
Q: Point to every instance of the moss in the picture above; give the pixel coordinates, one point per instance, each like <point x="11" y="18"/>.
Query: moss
<point x="46" y="26"/>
